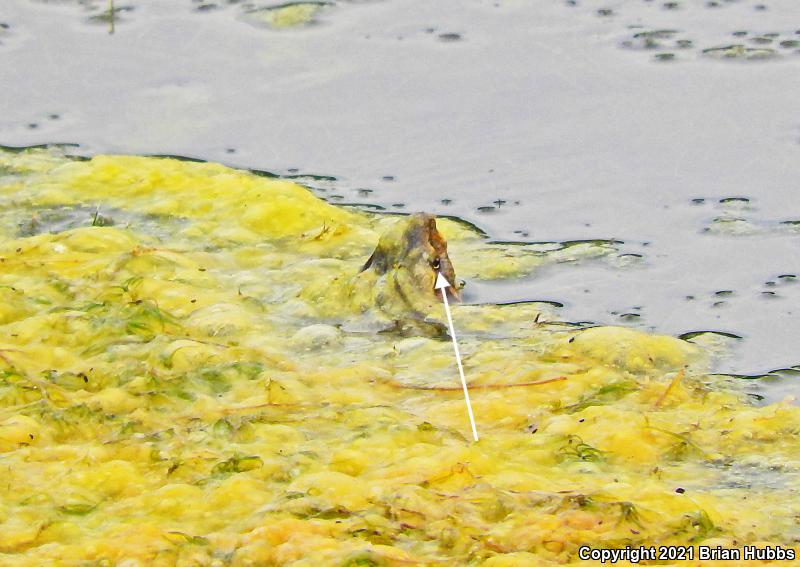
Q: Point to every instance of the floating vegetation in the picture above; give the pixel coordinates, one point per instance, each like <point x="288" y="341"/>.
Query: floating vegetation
<point x="727" y="200"/>
<point x="736" y="220"/>
<point x="605" y="395"/>
<point x="289" y="15"/>
<point x="761" y="40"/>
<point x="63" y="218"/>
<point x="54" y="220"/>
<point x="652" y="39"/>
<point x="575" y="448"/>
<point x="700" y="525"/>
<point x="197" y="366"/>
<point x="732" y="225"/>
<point x="684" y="447"/>
<point x="780" y="373"/>
<point x="667" y="40"/>
<point x="630" y="317"/>
<point x="111" y="16"/>
<point x="238" y="464"/>
<point x="449" y="37"/>
<point x="739" y="51"/>
<point x="103" y="12"/>
<point x="690" y="336"/>
<point x="4" y="31"/>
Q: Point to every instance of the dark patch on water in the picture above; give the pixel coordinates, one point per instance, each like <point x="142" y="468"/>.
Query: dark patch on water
<point x="694" y="334"/>
<point x="449" y="37"/>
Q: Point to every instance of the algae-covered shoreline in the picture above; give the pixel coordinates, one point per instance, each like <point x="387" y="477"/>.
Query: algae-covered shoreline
<point x="171" y="392"/>
<point x="535" y="120"/>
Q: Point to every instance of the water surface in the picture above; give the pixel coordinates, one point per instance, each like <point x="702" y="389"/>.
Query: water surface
<point x="543" y="121"/>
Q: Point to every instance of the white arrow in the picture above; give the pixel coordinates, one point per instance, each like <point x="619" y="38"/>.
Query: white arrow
<point x="443" y="284"/>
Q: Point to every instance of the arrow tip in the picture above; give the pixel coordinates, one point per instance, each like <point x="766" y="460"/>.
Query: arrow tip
<point x="441" y="281"/>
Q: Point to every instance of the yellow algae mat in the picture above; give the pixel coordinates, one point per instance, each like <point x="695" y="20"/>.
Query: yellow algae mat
<point x="194" y="371"/>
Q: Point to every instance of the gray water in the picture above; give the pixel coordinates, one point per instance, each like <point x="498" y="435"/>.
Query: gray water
<point x="535" y="120"/>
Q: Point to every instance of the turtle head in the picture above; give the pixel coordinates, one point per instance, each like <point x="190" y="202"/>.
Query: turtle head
<point x="413" y="251"/>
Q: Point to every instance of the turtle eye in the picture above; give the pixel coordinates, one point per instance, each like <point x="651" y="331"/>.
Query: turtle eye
<point x="435" y="264"/>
